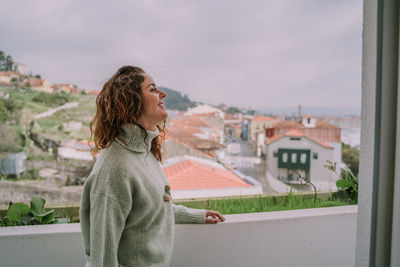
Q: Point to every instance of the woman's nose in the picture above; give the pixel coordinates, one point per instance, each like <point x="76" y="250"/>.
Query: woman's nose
<point x="162" y="94"/>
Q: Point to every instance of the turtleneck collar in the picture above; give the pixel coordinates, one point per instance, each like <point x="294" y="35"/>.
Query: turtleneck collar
<point x="136" y="139"/>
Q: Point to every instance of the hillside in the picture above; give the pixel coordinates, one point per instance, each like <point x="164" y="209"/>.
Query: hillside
<point x="23" y="104"/>
<point x="19" y="106"/>
<point x="176" y="100"/>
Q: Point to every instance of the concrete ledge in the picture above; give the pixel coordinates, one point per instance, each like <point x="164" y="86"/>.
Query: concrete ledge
<point x="311" y="237"/>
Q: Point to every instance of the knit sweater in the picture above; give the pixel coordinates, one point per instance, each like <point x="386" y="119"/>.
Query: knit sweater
<point x="125" y="218"/>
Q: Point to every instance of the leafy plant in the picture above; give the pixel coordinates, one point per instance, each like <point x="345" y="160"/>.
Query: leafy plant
<point x="22" y="214"/>
<point x="307" y="181"/>
<point x="348" y="183"/>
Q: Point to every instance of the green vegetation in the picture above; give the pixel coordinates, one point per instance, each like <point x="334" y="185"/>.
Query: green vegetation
<point x="53" y="99"/>
<point x="176" y="101"/>
<point x="23" y="104"/>
<point x="264" y="203"/>
<point x="233" y="110"/>
<point x="22" y="214"/>
<point x="12" y="138"/>
<point x="351" y="157"/>
<point x="6" y="62"/>
<point x="348" y="182"/>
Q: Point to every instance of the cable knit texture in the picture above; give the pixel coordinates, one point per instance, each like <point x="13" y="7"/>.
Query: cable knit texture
<point x="124" y="219"/>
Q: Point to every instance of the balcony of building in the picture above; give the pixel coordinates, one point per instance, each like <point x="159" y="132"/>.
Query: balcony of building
<point x="367" y="235"/>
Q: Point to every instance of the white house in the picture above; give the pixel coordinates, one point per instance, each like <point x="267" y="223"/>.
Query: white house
<point x="204" y="109"/>
<point x="295" y="152"/>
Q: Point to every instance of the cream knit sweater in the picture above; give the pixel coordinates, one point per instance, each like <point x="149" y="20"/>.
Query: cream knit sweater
<point x="125" y="220"/>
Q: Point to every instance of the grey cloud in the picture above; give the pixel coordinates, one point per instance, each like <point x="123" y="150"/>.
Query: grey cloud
<point x="245" y="53"/>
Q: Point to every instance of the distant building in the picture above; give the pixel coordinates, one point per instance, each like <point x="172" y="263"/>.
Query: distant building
<point x="258" y="124"/>
<point x="319" y="130"/>
<point x="297" y="151"/>
<point x="174" y="148"/>
<point x="38" y="85"/>
<point x="7" y="77"/>
<point x="4" y="78"/>
<point x="195" y="132"/>
<point x="22" y="69"/>
<point x="68" y="88"/>
<point x="192" y="177"/>
<point x="93" y="92"/>
<point x="204" y="109"/>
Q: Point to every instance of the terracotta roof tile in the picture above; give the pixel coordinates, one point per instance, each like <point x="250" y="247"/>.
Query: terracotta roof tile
<point x="297" y="133"/>
<point x="263" y="118"/>
<point x="192" y="175"/>
<point x="93" y="92"/>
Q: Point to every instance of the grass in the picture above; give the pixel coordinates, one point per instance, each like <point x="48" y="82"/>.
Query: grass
<point x="265" y="203"/>
<point x="233" y="205"/>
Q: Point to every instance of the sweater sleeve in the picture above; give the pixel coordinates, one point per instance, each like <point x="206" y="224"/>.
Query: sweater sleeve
<point x="184" y="214"/>
<point x="107" y="222"/>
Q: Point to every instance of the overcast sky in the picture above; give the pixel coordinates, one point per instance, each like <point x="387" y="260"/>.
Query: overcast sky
<point x="264" y="53"/>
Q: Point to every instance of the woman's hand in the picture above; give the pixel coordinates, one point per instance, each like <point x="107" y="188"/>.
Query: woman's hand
<point x="215" y="215"/>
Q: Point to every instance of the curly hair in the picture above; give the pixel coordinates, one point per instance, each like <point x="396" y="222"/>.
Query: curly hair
<point x="121" y="102"/>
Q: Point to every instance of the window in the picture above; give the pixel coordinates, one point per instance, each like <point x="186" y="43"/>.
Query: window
<point x="303" y="158"/>
<point x="294" y="157"/>
<point x="284" y="157"/>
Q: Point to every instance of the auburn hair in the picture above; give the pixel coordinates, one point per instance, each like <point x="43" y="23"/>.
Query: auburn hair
<point x="121" y="102"/>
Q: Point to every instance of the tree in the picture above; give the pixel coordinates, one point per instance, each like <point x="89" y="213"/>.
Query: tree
<point x="9" y="63"/>
<point x="176" y="101"/>
<point x="351" y="157"/>
<point x="4" y="115"/>
<point x="233" y="110"/>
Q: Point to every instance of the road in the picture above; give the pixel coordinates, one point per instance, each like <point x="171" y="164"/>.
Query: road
<point x="241" y="155"/>
<point x="54" y="110"/>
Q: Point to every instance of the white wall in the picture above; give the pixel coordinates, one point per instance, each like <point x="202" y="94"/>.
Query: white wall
<point x="317" y="170"/>
<point x="217" y="192"/>
<point x="312" y="237"/>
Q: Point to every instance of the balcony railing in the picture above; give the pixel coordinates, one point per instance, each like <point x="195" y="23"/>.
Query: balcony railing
<point x="311" y="237"/>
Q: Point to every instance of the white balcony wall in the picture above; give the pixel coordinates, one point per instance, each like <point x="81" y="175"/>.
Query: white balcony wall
<point x="312" y="237"/>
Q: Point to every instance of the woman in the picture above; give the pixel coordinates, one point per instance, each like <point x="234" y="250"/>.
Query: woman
<point x="127" y="216"/>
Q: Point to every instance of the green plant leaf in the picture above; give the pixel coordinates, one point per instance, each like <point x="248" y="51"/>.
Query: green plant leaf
<point x="26" y="219"/>
<point x="47" y="217"/>
<point x="37" y="206"/>
<point x="343" y="183"/>
<point x="17" y="211"/>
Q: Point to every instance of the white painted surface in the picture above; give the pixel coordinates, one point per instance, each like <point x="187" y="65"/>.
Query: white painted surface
<point x="367" y="150"/>
<point x="216" y="192"/>
<point x="313" y="237"/>
<point x="318" y="173"/>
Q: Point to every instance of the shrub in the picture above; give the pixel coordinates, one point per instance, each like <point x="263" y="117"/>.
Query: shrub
<point x="56" y="99"/>
<point x="22" y="214"/>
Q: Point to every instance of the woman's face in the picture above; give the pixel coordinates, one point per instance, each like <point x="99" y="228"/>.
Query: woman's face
<point x="153" y="109"/>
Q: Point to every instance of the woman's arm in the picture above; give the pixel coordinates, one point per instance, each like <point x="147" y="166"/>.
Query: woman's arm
<point x="107" y="222"/>
<point x="184" y="214"/>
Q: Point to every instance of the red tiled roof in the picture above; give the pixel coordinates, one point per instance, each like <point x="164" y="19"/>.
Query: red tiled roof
<point x="9" y="73"/>
<point x="285" y="124"/>
<point x="193" y="121"/>
<point x="33" y="82"/>
<point x="229" y="116"/>
<point x="187" y="145"/>
<point x="191" y="175"/>
<point x="263" y="118"/>
<point x="297" y="133"/>
<point x="324" y="124"/>
<point x="93" y="92"/>
<point x="294" y="133"/>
